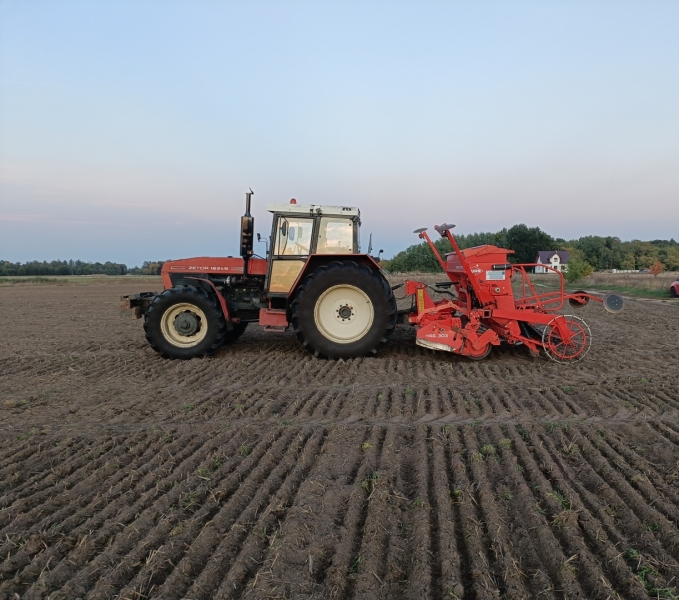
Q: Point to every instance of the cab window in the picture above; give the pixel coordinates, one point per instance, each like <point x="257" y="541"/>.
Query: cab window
<point x="335" y="236"/>
<point x="293" y="236"/>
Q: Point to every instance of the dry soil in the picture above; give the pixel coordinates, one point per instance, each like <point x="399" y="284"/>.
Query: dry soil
<point x="265" y="473"/>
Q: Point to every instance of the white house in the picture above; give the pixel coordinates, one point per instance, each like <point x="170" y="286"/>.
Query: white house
<point x="557" y="259"/>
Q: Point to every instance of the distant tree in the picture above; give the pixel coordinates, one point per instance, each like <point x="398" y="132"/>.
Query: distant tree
<point x="418" y="258"/>
<point x="628" y="263"/>
<point x="575" y="253"/>
<point x="657" y="268"/>
<point x="670" y="257"/>
<point x="577" y="269"/>
<point x="601" y="252"/>
<point x="526" y="242"/>
<point x="61" y="267"/>
<point x="149" y="267"/>
<point x="479" y="239"/>
<point x="645" y="253"/>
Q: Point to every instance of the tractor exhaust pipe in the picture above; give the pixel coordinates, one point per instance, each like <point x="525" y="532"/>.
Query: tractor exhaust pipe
<point x="247" y="232"/>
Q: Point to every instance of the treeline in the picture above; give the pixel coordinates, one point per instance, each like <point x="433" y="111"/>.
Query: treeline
<point x="590" y="252"/>
<point x="76" y="267"/>
<point x="148" y="268"/>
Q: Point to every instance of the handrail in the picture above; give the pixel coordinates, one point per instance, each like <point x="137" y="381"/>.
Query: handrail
<point x="539" y="300"/>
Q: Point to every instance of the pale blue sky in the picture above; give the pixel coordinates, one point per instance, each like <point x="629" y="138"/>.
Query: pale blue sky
<point x="131" y="130"/>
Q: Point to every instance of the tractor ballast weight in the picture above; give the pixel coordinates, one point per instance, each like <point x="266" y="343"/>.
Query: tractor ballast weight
<point x="488" y="310"/>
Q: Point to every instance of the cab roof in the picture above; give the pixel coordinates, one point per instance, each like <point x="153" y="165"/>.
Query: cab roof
<point x="314" y="209"/>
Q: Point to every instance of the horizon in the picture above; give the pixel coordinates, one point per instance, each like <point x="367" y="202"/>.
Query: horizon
<point x="162" y="260"/>
<point x="132" y="131"/>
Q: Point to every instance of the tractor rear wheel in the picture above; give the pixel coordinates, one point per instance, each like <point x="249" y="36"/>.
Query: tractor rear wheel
<point x="344" y="310"/>
<point x="185" y="322"/>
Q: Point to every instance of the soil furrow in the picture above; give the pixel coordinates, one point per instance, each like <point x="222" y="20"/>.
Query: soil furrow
<point x="270" y="525"/>
<point x="196" y="506"/>
<point x="478" y="566"/>
<point x="346" y="560"/>
<point x="321" y="506"/>
<point x="505" y="571"/>
<point x="425" y="572"/>
<point x="77" y="506"/>
<point x="118" y="528"/>
<point x="640" y="472"/>
<point x="642" y="521"/>
<point x="234" y="529"/>
<point x="532" y="491"/>
<point x="371" y="574"/>
<point x="601" y="533"/>
<point x="569" y="514"/>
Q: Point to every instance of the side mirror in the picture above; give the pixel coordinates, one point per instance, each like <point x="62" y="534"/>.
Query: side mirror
<point x="259" y="237"/>
<point x="284" y="228"/>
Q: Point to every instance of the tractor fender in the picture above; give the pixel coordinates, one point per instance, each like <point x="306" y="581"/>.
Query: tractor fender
<point x="220" y="298"/>
<point x="316" y="260"/>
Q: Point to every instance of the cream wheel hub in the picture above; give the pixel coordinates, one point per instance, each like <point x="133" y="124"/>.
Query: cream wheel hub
<point x="184" y="325"/>
<point x="344" y="314"/>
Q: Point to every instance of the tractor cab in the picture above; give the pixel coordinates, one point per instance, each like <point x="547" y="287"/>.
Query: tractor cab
<point x="303" y="230"/>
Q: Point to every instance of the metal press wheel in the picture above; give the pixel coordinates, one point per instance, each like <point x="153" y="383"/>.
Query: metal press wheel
<point x="571" y="343"/>
<point x="343" y="310"/>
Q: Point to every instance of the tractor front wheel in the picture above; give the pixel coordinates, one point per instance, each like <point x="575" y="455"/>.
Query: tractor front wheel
<point x="185" y="322"/>
<point x="344" y="310"/>
<point x="235" y="333"/>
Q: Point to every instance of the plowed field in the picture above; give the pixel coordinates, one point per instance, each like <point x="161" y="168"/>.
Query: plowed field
<point x="265" y="473"/>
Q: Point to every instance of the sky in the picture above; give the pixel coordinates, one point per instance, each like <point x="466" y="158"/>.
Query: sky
<point x="131" y="130"/>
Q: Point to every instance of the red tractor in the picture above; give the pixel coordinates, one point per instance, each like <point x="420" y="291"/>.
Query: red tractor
<point x="314" y="279"/>
<point x="339" y="302"/>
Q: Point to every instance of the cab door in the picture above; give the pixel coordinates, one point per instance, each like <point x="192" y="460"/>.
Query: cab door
<point x="292" y="245"/>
